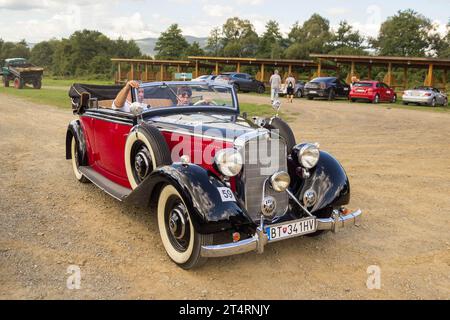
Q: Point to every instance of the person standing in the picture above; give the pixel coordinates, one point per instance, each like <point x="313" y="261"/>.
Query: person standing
<point x="290" y="88"/>
<point x="275" y="84"/>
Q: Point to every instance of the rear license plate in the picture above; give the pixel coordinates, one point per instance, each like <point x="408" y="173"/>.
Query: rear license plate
<point x="360" y="90"/>
<point x="312" y="91"/>
<point x="293" y="229"/>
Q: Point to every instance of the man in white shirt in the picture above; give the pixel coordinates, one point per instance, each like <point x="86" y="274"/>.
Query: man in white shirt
<point x="123" y="100"/>
<point x="275" y="85"/>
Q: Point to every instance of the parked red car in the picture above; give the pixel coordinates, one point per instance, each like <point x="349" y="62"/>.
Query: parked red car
<point x="373" y="91"/>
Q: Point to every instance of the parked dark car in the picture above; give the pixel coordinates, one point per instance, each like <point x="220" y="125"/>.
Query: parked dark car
<point x="206" y="169"/>
<point x="327" y="87"/>
<point x="298" y="90"/>
<point x="242" y="82"/>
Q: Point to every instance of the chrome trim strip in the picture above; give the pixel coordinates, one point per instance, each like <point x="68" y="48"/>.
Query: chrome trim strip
<point x="187" y="133"/>
<point x="109" y="119"/>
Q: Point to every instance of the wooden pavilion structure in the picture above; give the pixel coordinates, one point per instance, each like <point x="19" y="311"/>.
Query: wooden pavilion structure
<point x="406" y="63"/>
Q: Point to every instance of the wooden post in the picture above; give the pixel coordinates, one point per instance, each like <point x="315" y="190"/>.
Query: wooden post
<point x="146" y="72"/>
<point x="196" y="68"/>
<point x="319" y="68"/>
<point x="132" y="71"/>
<point x="238" y="69"/>
<point x="217" y="68"/>
<point x="352" y="70"/>
<point x="290" y="69"/>
<point x="162" y="72"/>
<point x="262" y="72"/>
<point x="405" y="78"/>
<point x="178" y="68"/>
<point x="444" y="79"/>
<point x="429" y="81"/>
<point x="119" y="78"/>
<point x="389" y="77"/>
<point x="369" y="74"/>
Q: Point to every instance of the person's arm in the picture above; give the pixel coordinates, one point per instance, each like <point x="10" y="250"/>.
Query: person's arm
<point x="119" y="102"/>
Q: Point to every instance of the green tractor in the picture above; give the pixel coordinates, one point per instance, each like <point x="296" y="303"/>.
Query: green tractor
<point x="21" y="73"/>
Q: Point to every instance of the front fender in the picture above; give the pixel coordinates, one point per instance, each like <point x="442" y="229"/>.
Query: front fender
<point x="329" y="180"/>
<point x="198" y="187"/>
<point x="75" y="130"/>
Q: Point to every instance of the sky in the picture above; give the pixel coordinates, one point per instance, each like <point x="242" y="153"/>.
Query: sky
<point x="137" y="19"/>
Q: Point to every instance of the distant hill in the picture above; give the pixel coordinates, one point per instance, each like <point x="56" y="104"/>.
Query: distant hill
<point x="147" y="45"/>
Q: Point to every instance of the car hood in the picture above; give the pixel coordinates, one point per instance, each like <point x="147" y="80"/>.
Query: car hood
<point x="219" y="126"/>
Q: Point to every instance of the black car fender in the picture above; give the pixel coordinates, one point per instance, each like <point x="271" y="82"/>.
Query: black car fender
<point x="328" y="180"/>
<point x="75" y="130"/>
<point x="199" y="189"/>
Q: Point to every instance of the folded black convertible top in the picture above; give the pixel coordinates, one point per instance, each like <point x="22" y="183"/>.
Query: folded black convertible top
<point x="95" y="91"/>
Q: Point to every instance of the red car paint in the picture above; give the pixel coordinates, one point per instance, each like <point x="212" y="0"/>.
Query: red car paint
<point x="368" y="90"/>
<point x="106" y="153"/>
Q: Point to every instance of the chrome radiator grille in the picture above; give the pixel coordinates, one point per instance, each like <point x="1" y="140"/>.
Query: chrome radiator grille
<point x="260" y="163"/>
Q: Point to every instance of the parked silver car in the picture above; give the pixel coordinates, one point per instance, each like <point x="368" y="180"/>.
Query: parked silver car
<point x="425" y="95"/>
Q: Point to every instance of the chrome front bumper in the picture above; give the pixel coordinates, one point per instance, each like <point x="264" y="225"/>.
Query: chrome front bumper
<point x="260" y="239"/>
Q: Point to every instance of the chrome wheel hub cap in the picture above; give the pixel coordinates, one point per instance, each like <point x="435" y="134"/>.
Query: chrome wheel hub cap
<point x="177" y="222"/>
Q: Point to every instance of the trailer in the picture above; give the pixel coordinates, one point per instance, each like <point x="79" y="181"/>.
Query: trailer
<point x="21" y="72"/>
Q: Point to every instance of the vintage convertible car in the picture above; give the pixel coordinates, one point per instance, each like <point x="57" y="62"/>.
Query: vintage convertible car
<point x="222" y="184"/>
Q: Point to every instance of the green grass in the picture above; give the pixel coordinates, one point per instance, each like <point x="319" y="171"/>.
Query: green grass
<point x="69" y="82"/>
<point x="53" y="97"/>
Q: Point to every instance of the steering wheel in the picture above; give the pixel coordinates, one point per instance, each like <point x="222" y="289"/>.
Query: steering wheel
<point x="206" y="103"/>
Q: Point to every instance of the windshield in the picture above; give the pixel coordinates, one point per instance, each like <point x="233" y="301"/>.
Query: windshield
<point x="183" y="95"/>
<point x="363" y="84"/>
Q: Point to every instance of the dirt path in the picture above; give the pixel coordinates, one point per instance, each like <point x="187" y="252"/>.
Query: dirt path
<point x="398" y="162"/>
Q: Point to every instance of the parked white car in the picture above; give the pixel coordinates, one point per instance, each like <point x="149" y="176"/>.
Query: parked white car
<point x="425" y="95"/>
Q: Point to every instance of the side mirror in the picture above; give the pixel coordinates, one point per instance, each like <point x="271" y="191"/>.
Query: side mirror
<point x="136" y="108"/>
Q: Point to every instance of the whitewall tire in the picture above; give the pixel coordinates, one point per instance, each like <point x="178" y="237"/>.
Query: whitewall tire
<point x="181" y="242"/>
<point x="75" y="162"/>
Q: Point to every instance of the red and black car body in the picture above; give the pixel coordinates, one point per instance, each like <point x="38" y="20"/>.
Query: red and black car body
<point x="204" y="208"/>
<point x="372" y="91"/>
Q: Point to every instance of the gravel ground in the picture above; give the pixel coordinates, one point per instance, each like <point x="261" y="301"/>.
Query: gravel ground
<point x="398" y="162"/>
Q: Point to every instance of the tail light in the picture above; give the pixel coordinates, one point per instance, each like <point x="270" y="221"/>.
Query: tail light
<point x="427" y="94"/>
<point x="370" y="90"/>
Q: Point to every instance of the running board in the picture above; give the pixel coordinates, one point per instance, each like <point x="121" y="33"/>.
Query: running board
<point x="111" y="188"/>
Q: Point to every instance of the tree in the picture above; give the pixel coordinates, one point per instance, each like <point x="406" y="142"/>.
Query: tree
<point x="42" y="53"/>
<point x="13" y="50"/>
<point x="214" y="44"/>
<point x="195" y="50"/>
<point x="407" y="33"/>
<point x="313" y="36"/>
<point x="347" y="41"/>
<point x="125" y="49"/>
<point x="171" y="44"/>
<point x="239" y="38"/>
<point x="270" y="45"/>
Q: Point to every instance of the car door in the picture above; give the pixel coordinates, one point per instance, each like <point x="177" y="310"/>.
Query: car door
<point x="111" y="129"/>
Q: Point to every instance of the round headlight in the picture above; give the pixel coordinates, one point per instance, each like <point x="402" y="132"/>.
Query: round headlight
<point x="229" y="162"/>
<point x="280" y="181"/>
<point x="309" y="155"/>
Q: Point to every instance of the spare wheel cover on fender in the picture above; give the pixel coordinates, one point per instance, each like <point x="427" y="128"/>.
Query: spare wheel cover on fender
<point x="158" y="150"/>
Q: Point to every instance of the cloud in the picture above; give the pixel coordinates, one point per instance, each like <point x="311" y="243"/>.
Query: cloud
<point x="217" y="10"/>
<point x="23" y="5"/>
<point x="337" y="11"/>
<point x="250" y="2"/>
